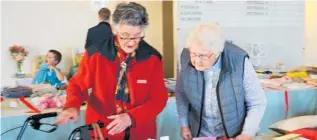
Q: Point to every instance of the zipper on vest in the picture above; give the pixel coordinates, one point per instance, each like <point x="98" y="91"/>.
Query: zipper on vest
<point x="220" y="109"/>
<point x="202" y="104"/>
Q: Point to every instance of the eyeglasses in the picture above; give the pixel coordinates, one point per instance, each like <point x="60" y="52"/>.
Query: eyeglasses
<point x="128" y="39"/>
<point x="201" y="56"/>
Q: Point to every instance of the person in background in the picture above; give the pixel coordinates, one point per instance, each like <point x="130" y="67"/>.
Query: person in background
<point x="217" y="90"/>
<point x="48" y="72"/>
<point x="121" y="79"/>
<point x="102" y="30"/>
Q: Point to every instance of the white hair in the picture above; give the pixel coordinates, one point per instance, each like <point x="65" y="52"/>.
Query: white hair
<point x="207" y="36"/>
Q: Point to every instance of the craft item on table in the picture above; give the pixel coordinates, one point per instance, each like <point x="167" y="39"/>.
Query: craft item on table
<point x="295" y="123"/>
<point x="313" y="76"/>
<point x="264" y="72"/>
<point x="267" y="135"/>
<point x="35" y="101"/>
<point x="297" y="74"/>
<point x="41" y="89"/>
<point x="312" y="71"/>
<point x="299" y="80"/>
<point x="275" y="82"/>
<point x="300" y="69"/>
<point x="297" y="85"/>
<point x="274" y="76"/>
<point x="49" y="101"/>
<point x="308" y="69"/>
<point x="301" y="138"/>
<point x="273" y="88"/>
<point x="60" y="101"/>
<point x="269" y="74"/>
<point x="29" y="105"/>
<point x="60" y="93"/>
<point x="280" y="65"/>
<point x="308" y="133"/>
<point x="263" y="76"/>
<point x="307" y="80"/>
<point x="13" y="103"/>
<point x="287" y="137"/>
<point x="16" y="92"/>
<point x="311" y="82"/>
<point x="205" y="138"/>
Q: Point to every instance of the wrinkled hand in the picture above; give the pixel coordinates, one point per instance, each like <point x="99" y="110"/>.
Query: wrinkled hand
<point x="66" y="115"/>
<point x="186" y="133"/>
<point x="243" y="137"/>
<point x="119" y="124"/>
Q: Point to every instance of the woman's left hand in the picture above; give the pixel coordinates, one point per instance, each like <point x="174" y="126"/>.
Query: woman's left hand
<point x="119" y="124"/>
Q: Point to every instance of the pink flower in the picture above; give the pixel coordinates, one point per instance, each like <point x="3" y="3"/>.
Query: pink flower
<point x="19" y="57"/>
<point x="20" y="49"/>
<point x="18" y="52"/>
<point x="60" y="101"/>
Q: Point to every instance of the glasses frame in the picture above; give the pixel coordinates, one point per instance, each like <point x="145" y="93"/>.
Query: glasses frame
<point x="128" y="39"/>
<point x="201" y="56"/>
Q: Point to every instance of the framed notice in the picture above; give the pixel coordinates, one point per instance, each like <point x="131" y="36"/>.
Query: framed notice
<point x="96" y="5"/>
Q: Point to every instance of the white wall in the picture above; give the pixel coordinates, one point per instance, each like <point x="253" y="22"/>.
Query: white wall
<point x="309" y="38"/>
<point x="61" y="25"/>
<point x="43" y="25"/>
<point x="280" y="31"/>
<point x="311" y="32"/>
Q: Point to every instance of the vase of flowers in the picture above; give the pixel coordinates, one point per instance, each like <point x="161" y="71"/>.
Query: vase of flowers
<point x="19" y="54"/>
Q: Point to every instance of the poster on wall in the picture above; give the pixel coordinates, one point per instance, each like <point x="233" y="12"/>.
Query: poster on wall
<point x="96" y="5"/>
<point x="266" y="29"/>
<point x="243" y="13"/>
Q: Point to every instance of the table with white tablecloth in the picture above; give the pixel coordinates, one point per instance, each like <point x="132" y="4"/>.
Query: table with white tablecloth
<point x="301" y="102"/>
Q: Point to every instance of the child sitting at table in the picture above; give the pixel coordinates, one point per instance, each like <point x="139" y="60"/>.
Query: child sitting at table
<point x="49" y="73"/>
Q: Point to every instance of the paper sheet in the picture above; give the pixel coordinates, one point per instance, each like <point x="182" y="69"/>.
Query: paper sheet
<point x="287" y="137"/>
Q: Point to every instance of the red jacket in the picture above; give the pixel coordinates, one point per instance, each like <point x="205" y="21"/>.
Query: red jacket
<point x="95" y="82"/>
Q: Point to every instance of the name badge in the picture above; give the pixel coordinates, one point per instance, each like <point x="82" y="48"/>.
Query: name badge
<point x="141" y="81"/>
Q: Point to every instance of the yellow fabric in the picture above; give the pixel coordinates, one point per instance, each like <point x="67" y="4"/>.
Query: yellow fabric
<point x="78" y="58"/>
<point x="297" y="74"/>
<point x="38" y="60"/>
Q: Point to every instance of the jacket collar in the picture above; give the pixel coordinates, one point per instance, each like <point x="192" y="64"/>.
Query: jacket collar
<point x="103" y="23"/>
<point x="107" y="49"/>
<point x="224" y="62"/>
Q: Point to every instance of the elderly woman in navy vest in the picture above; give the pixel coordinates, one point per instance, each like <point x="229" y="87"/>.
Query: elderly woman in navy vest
<point x="217" y="92"/>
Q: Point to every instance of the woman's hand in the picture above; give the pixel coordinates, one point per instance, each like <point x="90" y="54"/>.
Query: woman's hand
<point x="119" y="124"/>
<point x="186" y="133"/>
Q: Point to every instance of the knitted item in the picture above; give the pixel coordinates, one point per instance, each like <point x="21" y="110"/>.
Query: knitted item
<point x="16" y="92"/>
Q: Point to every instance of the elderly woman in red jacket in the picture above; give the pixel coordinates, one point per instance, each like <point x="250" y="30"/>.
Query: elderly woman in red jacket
<point x="121" y="78"/>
